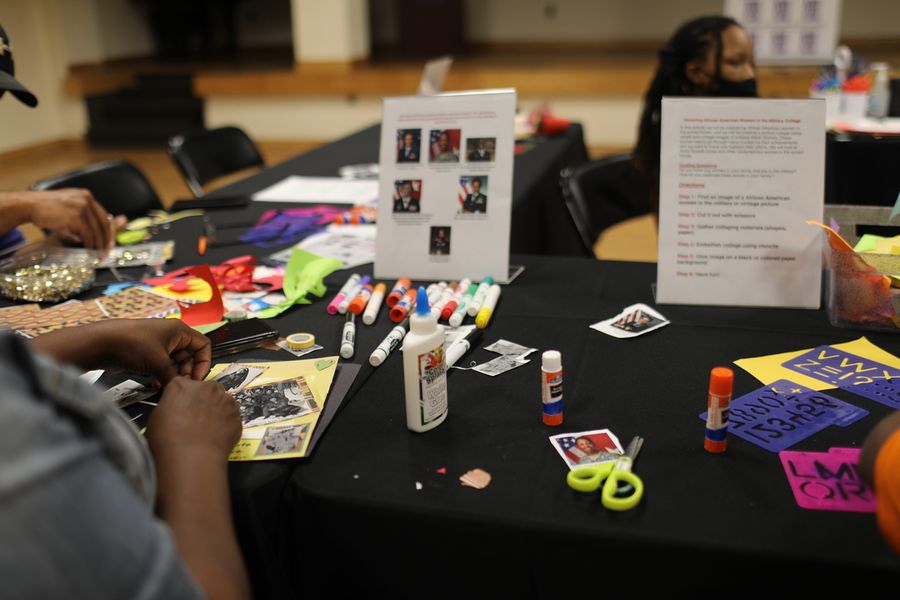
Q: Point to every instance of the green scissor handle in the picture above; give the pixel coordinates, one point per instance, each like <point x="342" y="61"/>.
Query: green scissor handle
<point x="589" y="479"/>
<point x="620" y="478"/>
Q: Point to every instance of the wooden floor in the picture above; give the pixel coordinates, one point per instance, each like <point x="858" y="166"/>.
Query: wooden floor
<point x="631" y="240"/>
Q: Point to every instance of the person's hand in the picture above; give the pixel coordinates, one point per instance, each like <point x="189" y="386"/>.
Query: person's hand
<point x="194" y="415"/>
<point x="75" y="216"/>
<point x="162" y="348"/>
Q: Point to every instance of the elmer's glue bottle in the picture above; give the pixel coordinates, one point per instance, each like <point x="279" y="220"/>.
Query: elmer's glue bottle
<point x="424" y="369"/>
<point x="552" y="388"/>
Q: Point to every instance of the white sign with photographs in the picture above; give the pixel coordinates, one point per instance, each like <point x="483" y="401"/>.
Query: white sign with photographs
<point x="445" y="192"/>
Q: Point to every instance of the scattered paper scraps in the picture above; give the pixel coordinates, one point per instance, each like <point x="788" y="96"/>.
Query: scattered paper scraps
<point x="298" y="352"/>
<point x="587" y="447"/>
<point x="442" y="471"/>
<point x="210" y="311"/>
<point x="128" y="392"/>
<point x="512" y="356"/>
<point x="304" y="274"/>
<point x="91" y="376"/>
<point x="136" y="303"/>
<point x="856" y="374"/>
<point x="237" y="376"/>
<point x="777" y="416"/>
<point x="828" y="480"/>
<point x="508" y="348"/>
<point x="633" y="321"/>
<point x="476" y="478"/>
<point x="500" y="365"/>
<point x="68" y="314"/>
<point x="283" y="439"/>
<point x="419" y="486"/>
<point x="352" y="250"/>
<point x="769" y="368"/>
<point x="279" y="227"/>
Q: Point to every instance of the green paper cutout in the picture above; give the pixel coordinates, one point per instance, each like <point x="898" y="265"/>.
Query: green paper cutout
<point x="303" y="275"/>
<point x="324" y="363"/>
<point x="209" y="327"/>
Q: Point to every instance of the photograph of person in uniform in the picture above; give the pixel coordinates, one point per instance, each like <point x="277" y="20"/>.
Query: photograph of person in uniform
<point x="406" y="195"/>
<point x="472" y="194"/>
<point x="408" y="142"/>
<point x="440" y="241"/>
<point x="444" y="145"/>
<point x="480" y="149"/>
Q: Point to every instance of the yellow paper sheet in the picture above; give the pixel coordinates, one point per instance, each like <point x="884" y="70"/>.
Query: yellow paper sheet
<point x="256" y="442"/>
<point x="768" y="368"/>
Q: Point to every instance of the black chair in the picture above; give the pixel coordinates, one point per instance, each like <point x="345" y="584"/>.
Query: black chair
<point x="206" y="155"/>
<point x="119" y="186"/>
<point x="601" y="193"/>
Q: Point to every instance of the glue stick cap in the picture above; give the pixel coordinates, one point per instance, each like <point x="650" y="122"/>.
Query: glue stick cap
<point x="721" y="381"/>
<point x="551" y="361"/>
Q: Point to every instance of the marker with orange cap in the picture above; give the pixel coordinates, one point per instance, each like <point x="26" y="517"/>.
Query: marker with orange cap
<point x="404" y="307"/>
<point x="721" y="382"/>
<point x="362" y="298"/>
<point x="400" y="288"/>
<point x="374" y="304"/>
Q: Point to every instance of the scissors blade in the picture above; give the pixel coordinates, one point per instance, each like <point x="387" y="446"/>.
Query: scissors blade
<point x="634" y="446"/>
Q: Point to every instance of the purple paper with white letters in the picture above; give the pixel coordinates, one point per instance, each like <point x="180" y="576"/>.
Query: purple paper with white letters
<point x="779" y="415"/>
<point x="858" y="375"/>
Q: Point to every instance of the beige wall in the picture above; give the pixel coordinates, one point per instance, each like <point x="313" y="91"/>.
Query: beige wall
<point x="36" y="30"/>
<point x="498" y="21"/>
<point x="330" y="31"/>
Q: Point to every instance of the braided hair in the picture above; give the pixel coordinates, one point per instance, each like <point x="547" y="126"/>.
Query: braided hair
<point x="692" y="41"/>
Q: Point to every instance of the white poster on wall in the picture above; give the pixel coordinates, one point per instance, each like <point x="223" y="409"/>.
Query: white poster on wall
<point x="445" y="190"/>
<point x="789" y="32"/>
<point x="739" y="179"/>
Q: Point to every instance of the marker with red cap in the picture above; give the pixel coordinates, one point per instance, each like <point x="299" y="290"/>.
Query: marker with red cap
<point x="721" y="382"/>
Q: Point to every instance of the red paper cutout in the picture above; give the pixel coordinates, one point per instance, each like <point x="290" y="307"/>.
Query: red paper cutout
<point x="210" y="311"/>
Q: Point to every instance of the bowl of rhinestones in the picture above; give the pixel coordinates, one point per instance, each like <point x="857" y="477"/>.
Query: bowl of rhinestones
<point x="50" y="275"/>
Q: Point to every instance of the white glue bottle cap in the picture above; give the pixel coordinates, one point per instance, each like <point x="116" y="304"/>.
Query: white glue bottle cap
<point x="422" y="322"/>
<point x="551" y="361"/>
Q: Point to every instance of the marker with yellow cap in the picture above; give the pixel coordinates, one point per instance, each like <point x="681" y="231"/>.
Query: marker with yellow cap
<point x="487" y="309"/>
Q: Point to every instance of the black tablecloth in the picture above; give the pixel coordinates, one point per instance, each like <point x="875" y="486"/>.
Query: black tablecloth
<point x="356" y="506"/>
<point x="540" y="222"/>
<point x="861" y="169"/>
<point x="351" y="513"/>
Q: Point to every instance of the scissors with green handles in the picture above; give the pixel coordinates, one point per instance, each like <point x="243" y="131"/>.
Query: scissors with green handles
<point x="622" y="489"/>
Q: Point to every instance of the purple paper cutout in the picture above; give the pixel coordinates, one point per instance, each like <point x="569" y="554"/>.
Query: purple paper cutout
<point x="858" y="375"/>
<point x="280" y="227"/>
<point x="828" y="480"/>
<point x="845" y="413"/>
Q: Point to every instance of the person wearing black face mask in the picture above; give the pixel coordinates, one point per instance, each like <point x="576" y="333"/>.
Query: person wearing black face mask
<point x="708" y="56"/>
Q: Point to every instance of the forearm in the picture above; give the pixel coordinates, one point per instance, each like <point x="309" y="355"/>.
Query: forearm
<point x="86" y="346"/>
<point x="15" y="210"/>
<point x="194" y="501"/>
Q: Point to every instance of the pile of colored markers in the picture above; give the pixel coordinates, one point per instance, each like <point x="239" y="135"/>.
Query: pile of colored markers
<point x="450" y="302"/>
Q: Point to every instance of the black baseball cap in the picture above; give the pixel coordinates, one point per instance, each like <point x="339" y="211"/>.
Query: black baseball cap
<point x="7" y="70"/>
